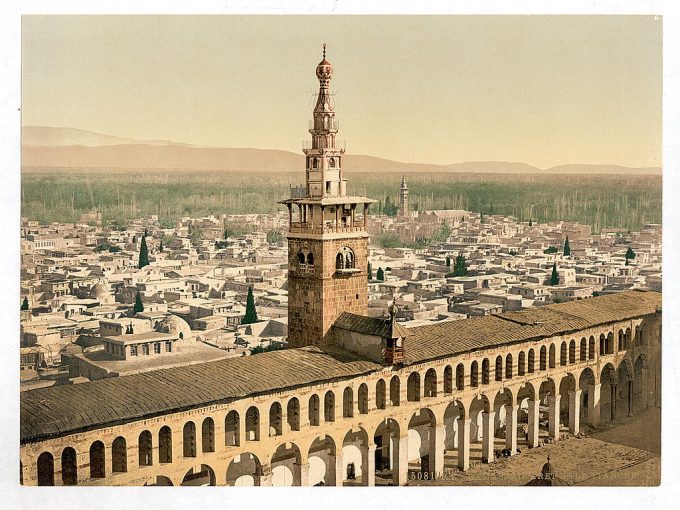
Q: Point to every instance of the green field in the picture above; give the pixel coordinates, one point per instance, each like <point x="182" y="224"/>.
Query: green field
<point x="601" y="201"/>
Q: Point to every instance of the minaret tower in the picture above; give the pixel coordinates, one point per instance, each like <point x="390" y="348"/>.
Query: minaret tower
<point x="327" y="237"/>
<point x="403" y="198"/>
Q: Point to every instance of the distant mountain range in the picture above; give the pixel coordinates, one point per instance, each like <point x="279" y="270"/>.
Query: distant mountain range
<point x="53" y="147"/>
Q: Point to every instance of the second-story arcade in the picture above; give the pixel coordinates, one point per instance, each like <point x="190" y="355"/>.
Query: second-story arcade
<point x="327" y="237"/>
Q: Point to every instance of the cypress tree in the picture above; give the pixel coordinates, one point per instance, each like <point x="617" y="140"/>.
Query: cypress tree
<point x="448" y="261"/>
<point x="370" y="271"/>
<point x="143" y="254"/>
<point x="24" y="303"/>
<point x="567" y="249"/>
<point x="380" y="275"/>
<point x="459" y="266"/>
<point x="530" y="223"/>
<point x="160" y="248"/>
<point x="139" y="306"/>
<point x="251" y="312"/>
<point x="554" y="279"/>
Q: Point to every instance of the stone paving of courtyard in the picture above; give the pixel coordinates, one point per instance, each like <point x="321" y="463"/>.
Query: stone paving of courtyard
<point x="625" y="453"/>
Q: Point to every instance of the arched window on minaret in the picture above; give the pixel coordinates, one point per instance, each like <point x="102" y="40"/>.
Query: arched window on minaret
<point x="315" y="163"/>
<point x="310" y="259"/>
<point x="301" y="258"/>
<point x="345" y="258"/>
<point x="331" y="163"/>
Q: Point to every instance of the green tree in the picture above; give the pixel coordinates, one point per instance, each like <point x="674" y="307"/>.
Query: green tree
<point x="143" y="254"/>
<point x="388" y="240"/>
<point x="24" y="303"/>
<point x="530" y="223"/>
<point x="274" y="237"/>
<point x="370" y="271"/>
<point x="459" y="266"/>
<point x="567" y="249"/>
<point x="448" y="261"/>
<point x="380" y="275"/>
<point x="251" y="312"/>
<point x="550" y="249"/>
<point x="441" y="235"/>
<point x="195" y="236"/>
<point x="630" y="254"/>
<point x="554" y="279"/>
<point x="389" y="208"/>
<point x="139" y="306"/>
<point x="160" y="246"/>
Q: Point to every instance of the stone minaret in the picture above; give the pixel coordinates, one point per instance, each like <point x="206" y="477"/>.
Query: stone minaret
<point x="327" y="237"/>
<point x="403" y="198"/>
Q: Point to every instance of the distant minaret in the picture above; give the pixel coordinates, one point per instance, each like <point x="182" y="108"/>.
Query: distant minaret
<point x="403" y="198"/>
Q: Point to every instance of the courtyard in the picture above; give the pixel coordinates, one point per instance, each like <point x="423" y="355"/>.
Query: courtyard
<point x="626" y="452"/>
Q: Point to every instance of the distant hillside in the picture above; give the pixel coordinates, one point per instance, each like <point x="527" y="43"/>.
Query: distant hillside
<point x="42" y="136"/>
<point x="50" y="147"/>
<point x="602" y="169"/>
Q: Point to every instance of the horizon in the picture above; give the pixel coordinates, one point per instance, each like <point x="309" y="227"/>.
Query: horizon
<point x="125" y="140"/>
<point x="530" y="89"/>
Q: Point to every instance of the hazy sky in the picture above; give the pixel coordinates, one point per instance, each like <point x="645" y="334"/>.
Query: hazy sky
<point x="544" y="90"/>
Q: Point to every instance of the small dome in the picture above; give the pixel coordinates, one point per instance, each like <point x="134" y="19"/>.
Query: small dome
<point x="174" y="325"/>
<point x="324" y="70"/>
<point x="99" y="290"/>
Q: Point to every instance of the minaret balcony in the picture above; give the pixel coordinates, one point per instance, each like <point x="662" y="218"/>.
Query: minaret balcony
<point x="298" y="227"/>
<point x="340" y="145"/>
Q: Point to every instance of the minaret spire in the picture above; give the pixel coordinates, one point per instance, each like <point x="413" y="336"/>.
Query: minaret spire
<point x="324" y="51"/>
